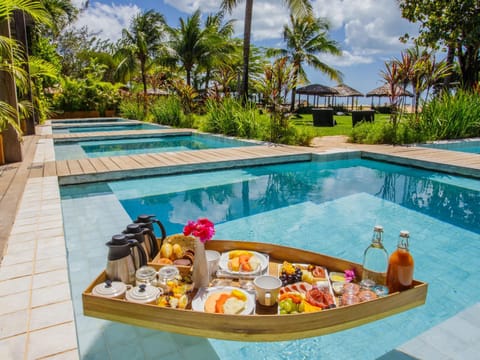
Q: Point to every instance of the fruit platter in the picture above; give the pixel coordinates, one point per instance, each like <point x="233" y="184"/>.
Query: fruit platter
<point x="304" y="304"/>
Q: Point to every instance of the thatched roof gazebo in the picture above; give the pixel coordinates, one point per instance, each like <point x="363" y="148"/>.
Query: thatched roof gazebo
<point x="348" y="92"/>
<point x="316" y="90"/>
<point x="384" y="91"/>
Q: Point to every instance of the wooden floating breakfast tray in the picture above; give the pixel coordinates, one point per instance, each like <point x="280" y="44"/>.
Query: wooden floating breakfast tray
<point x="257" y="327"/>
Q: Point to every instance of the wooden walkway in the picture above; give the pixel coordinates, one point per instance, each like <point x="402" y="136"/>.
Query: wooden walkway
<point x="452" y="162"/>
<point x="122" y="167"/>
<point x="120" y="134"/>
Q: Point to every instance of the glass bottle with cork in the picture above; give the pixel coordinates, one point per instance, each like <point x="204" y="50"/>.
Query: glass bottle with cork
<point x="375" y="260"/>
<point x="400" y="266"/>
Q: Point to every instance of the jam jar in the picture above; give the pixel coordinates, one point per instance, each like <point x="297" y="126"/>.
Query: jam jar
<point x="165" y="275"/>
<point x="146" y="275"/>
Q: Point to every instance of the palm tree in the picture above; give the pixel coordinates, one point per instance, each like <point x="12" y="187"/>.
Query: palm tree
<point x="139" y="45"/>
<point x="62" y="13"/>
<point x="11" y="58"/>
<point x="297" y="7"/>
<point x="305" y="38"/>
<point x="193" y="46"/>
<point x="223" y="47"/>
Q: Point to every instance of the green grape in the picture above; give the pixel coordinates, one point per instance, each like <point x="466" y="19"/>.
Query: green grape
<point x="301" y="307"/>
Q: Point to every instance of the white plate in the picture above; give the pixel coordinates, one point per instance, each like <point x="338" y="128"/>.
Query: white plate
<point x="223" y="264"/>
<point x="198" y="302"/>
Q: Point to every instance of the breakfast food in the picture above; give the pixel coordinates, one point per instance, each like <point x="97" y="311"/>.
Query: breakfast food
<point x="228" y="302"/>
<point x="242" y="261"/>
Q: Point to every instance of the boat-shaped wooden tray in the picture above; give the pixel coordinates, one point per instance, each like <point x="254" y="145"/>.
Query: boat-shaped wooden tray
<point x="257" y="327"/>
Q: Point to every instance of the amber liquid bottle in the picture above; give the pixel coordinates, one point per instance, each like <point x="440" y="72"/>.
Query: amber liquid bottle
<point x="400" y="266"/>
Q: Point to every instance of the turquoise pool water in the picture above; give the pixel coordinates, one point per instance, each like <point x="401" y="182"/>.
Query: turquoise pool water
<point x="330" y="207"/>
<point x="469" y="146"/>
<point x="130" y="146"/>
<point x="106" y="127"/>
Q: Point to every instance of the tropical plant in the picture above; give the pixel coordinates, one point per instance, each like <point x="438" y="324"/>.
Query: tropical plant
<point x="452" y="24"/>
<point x="222" y="45"/>
<point x="86" y="94"/>
<point x="139" y="46"/>
<point x="297" y="7"/>
<point x="276" y="82"/>
<point x="168" y="111"/>
<point x="420" y="69"/>
<point x="198" y="48"/>
<point x="62" y="13"/>
<point x="12" y="58"/>
<point x="229" y="117"/>
<point x="41" y="71"/>
<point x="451" y="116"/>
<point x="305" y="38"/>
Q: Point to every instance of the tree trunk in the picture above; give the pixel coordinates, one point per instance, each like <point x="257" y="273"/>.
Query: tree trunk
<point x="21" y="37"/>
<point x="246" y="49"/>
<point x="8" y="93"/>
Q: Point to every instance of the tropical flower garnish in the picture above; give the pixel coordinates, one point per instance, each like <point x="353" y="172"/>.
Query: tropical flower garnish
<point x="202" y="228"/>
<point x="349" y="275"/>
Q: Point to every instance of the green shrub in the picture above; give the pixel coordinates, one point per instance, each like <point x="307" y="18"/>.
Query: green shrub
<point x="86" y="94"/>
<point x="168" y="111"/>
<point x="451" y="116"/>
<point x="383" y="132"/>
<point x="230" y="118"/>
<point x="131" y="108"/>
<point x="303" y="137"/>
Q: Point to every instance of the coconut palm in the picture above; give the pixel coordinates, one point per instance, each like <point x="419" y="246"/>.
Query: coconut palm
<point x="62" y="13"/>
<point x="223" y="47"/>
<point x="305" y="38"/>
<point x="11" y="59"/>
<point x="140" y="45"/>
<point x="297" y="7"/>
<point x="192" y="45"/>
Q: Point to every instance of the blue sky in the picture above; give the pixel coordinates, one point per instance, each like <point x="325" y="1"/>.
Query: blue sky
<point x="366" y="30"/>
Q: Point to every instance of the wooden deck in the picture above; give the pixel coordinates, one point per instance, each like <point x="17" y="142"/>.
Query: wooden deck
<point x="122" y="167"/>
<point x="452" y="162"/>
<point x="120" y="134"/>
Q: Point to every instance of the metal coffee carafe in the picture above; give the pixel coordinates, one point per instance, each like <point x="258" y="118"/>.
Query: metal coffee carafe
<point x="140" y="233"/>
<point x="125" y="256"/>
<point x="148" y="221"/>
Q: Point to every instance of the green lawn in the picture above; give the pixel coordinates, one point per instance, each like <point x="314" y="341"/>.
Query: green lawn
<point x="343" y="127"/>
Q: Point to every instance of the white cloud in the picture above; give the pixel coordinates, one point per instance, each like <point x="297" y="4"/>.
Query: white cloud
<point x="346" y="59"/>
<point x="370" y="28"/>
<point x="107" y="21"/>
<point x="190" y="6"/>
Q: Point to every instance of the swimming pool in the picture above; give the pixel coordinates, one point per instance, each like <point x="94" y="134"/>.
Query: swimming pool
<point x="87" y="120"/>
<point x="469" y="145"/>
<point x="329" y="207"/>
<point x="135" y="145"/>
<point x="105" y="127"/>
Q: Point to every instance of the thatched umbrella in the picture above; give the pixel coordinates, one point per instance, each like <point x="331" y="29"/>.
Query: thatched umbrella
<point x="347" y="91"/>
<point x="316" y="90"/>
<point x="384" y="91"/>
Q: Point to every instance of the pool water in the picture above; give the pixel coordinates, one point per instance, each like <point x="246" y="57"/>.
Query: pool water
<point x="328" y="207"/>
<point x="469" y="146"/>
<point x="131" y="146"/>
<point x="106" y="127"/>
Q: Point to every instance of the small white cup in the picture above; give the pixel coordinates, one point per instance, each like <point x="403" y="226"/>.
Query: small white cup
<point x="267" y="288"/>
<point x="213" y="259"/>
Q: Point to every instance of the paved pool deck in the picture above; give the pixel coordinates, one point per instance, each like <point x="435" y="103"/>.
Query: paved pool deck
<point x="36" y="312"/>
